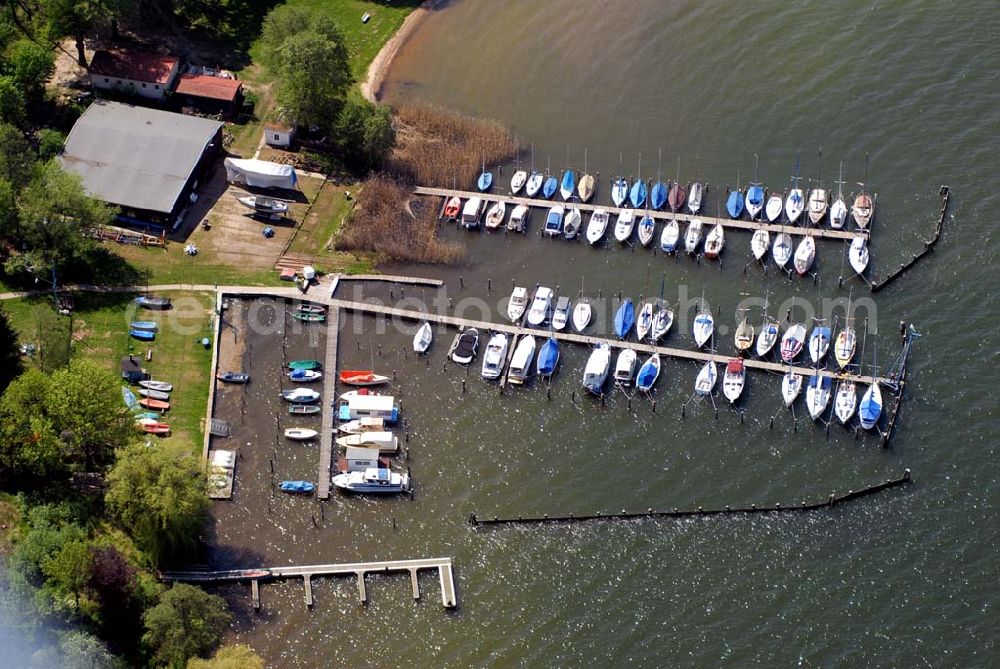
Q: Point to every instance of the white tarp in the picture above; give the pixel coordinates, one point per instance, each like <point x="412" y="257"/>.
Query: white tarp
<point x="260" y="173"/>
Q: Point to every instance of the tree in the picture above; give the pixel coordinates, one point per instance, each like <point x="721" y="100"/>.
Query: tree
<point x="158" y="496"/>
<point x="113" y="586"/>
<point x="73" y="18"/>
<point x="83" y="651"/>
<point x="313" y="77"/>
<point x="30" y="65"/>
<point x="50" y="143"/>
<point x="10" y="352"/>
<point x="11" y="101"/>
<point x="187" y="622"/>
<point x="68" y="570"/>
<point x="50" y="528"/>
<point x="29" y="444"/>
<point x="379" y="136"/>
<point x="16" y="159"/>
<point x="229" y="657"/>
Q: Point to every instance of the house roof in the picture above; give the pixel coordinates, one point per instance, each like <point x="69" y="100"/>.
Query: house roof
<point x="205" y="86"/>
<point x="134" y="156"/>
<point x="134" y="65"/>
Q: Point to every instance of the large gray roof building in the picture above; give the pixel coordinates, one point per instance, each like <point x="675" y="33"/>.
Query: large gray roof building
<point x="146" y="161"/>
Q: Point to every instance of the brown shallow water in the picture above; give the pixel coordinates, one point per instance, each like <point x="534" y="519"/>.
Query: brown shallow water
<point x="906" y="578"/>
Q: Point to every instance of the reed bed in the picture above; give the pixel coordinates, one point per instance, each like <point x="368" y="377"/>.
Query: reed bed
<point x="442" y="148"/>
<point x="385" y="221"/>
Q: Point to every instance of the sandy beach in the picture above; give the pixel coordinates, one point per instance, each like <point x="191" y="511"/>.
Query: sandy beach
<point x="371" y="87"/>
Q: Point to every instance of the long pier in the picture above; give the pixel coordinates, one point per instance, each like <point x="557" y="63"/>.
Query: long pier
<point x="446" y="576"/>
<point x="945" y="193"/>
<point x="589" y="340"/>
<point x="329" y="390"/>
<point x="832" y="501"/>
<point x="818" y="233"/>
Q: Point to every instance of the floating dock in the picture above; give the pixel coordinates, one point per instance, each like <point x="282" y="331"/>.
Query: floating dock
<point x="329" y="411"/>
<point x="446" y="576"/>
<point x="751" y="226"/>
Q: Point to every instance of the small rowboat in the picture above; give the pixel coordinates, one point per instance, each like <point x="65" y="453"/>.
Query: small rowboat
<point x="303" y="409"/>
<point x="155" y="428"/>
<point x="300" y="487"/>
<point x="300" y="433"/>
<point x="309" y="318"/>
<point x="150" y="403"/>
<point x="143" y="325"/>
<point x="152" y="302"/>
<point x="154" y="394"/>
<point x="364" y="377"/>
<point x="310" y="309"/>
<point x="233" y="377"/>
<point x="142" y="335"/>
<point x="162" y="386"/>
<point x="305" y="364"/>
<point x="305" y="375"/>
<point x="423" y="337"/>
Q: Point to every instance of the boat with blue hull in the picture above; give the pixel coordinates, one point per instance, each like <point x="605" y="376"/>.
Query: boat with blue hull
<point x="548" y="358"/>
<point x="142" y="335"/>
<point x="734" y="205"/>
<point x="624" y="319"/>
<point x="549" y="187"/>
<point x="485" y="181"/>
<point x="637" y="195"/>
<point x="568" y="184"/>
<point x="648" y="373"/>
<point x="297" y="487"/>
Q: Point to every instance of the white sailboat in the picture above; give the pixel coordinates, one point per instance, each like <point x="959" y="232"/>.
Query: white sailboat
<point x="847" y="400"/>
<point x="423" y="337"/>
<point x="838" y="210"/>
<point x="662" y="321"/>
<point x="670" y="235"/>
<point x="714" y="242"/>
<point x="773" y="207"/>
<point x="791" y="386"/>
<point x="871" y="406"/>
<point x="572" y="222"/>
<point x="704" y="326"/>
<point x="818" y="395"/>
<point x="495" y="215"/>
<point x="805" y="254"/>
<point x="782" y="249"/>
<point x="644" y="324"/>
<point x="707" y="377"/>
<point x="582" y="313"/>
<point x="858" y="254"/>
<point x="693" y="235"/>
<point x="647" y="229"/>
<point x="517" y="181"/>
<point x="760" y="243"/>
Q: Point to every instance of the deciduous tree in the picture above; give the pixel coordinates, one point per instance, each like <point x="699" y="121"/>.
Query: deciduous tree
<point x="229" y="657"/>
<point x="187" y="622"/>
<point x="10" y="352"/>
<point x="313" y="77"/>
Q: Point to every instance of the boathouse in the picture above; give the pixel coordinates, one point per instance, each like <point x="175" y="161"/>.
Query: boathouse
<point x="146" y="161"/>
<point x="147" y="75"/>
<point x="210" y="94"/>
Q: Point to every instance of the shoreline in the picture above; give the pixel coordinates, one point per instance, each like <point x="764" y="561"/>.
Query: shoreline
<point x="371" y="87"/>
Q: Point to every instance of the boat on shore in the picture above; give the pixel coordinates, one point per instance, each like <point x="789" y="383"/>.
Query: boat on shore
<point x="373" y="480"/>
<point x="143" y="325"/>
<point x="142" y="335"/>
<point x="300" y="434"/>
<point x="233" y="377"/>
<point x="300" y="395"/>
<point x="310" y="308"/>
<point x="263" y="205"/>
<point x="150" y="403"/>
<point x="495" y="356"/>
<point x="154" y="394"/>
<point x="153" y="302"/>
<point x="308" y="318"/>
<point x="305" y="364"/>
<point x="303" y="409"/>
<point x="595" y="374"/>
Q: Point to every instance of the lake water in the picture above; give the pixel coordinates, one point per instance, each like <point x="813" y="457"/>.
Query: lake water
<point x="901" y="579"/>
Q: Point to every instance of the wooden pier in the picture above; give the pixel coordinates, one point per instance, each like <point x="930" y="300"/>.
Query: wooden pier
<point x="446" y="576"/>
<point x="329" y="410"/>
<point x="589" y="340"/>
<point x="774" y="228"/>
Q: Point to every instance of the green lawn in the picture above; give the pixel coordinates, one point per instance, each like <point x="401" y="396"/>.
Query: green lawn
<point x="100" y="334"/>
<point x="172" y="265"/>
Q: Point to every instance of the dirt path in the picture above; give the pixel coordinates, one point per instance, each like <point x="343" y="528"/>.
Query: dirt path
<point x="371" y="87"/>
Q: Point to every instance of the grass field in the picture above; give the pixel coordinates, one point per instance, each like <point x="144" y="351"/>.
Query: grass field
<point x="100" y="334"/>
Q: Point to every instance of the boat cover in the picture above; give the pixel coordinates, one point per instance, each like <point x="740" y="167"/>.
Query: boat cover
<point x="260" y="173"/>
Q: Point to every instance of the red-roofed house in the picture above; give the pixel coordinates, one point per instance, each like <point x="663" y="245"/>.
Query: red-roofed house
<point x="210" y="94"/>
<point x="148" y="75"/>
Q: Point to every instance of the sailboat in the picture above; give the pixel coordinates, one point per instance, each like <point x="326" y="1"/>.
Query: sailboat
<point x="871" y="406"/>
<point x="863" y="208"/>
<point x="715" y="240"/>
<point x="662" y="321"/>
<point x="847" y="341"/>
<point x="805" y="253"/>
<point x="858" y="254"/>
<point x="658" y="194"/>
<point x="755" y="194"/>
<point x="644" y="323"/>
<point x="670" y="235"/>
<point x="704" y="324"/>
<point x="423" y="337"/>
<point x="571" y="226"/>
<point x="619" y="189"/>
<point x="819" y="201"/>
<point x="568" y="183"/>
<point x="706" y="379"/>
<point x="782" y="249"/>
<point x="744" y="334"/>
<point x="734" y="379"/>
<point x="485" y="180"/>
<point x="624" y="319"/>
<point x="693" y="235"/>
<point x="791" y="386"/>
<point x="768" y="334"/>
<point x="795" y="202"/>
<point x="647" y="229"/>
<point x="819" y="342"/>
<point x="846" y="401"/>
<point x="648" y="373"/>
<point x="551" y="183"/>
<point x="582" y="313"/>
<point x="773" y="207"/>
<point x="637" y="195"/>
<point x="734" y="204"/>
<point x="838" y="210"/>
<point x="792" y="342"/>
<point x="585" y="188"/>
<point x="676" y="195"/>
<point x="760" y="243"/>
<point x="495" y="215"/>
<point x="519" y="178"/>
<point x="548" y="358"/>
<point x="818" y="395"/>
<point x="535" y="180"/>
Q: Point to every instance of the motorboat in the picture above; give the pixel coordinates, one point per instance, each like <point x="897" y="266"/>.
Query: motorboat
<point x="464" y="346"/>
<point x="373" y="480"/>
<point x="567" y="185"/>
<point x="734" y="379"/>
<point x="541" y="307"/>
<point x="773" y="207"/>
<point x="304" y="375"/>
<point x="471" y="213"/>
<point x="582" y="313"/>
<point x="625" y="366"/>
<point x="693" y="235"/>
<point x="804" y="255"/>
<point x="359" y="425"/>
<point x="818" y="395"/>
<point x="534" y="184"/>
<point x="744" y="335"/>
<point x="644" y="323"/>
<point x="846" y="400"/>
<point x="858" y="254"/>
<point x="596" y="371"/>
<point x="647" y="228"/>
<point x="760" y="243"/>
<point x="669" y="236"/>
<point x="549" y="187"/>
<point x="554" y="221"/>
<point x="619" y="191"/>
<point x="793" y="341"/>
<point x="517" y="181"/>
<point x="300" y="434"/>
<point x="263" y="205"/>
<point x="495" y="215"/>
<point x="782" y="249"/>
<point x="624" y="319"/>
<point x="714" y="242"/>
<point x="385" y="442"/>
<point x="517" y="303"/>
<point x="452" y="208"/>
<point x="819" y="343"/>
<point x="495" y="357"/>
<point x="423" y="337"/>
<point x="162" y="386"/>
<point x="871" y="406"/>
<point x="597" y="226"/>
<point x="297" y="487"/>
<point x="154" y="394"/>
<point x="624" y="225"/>
<point x="791" y="386"/>
<point x="844" y="348"/>
<point x="754" y="200"/>
<point x="663" y="319"/>
<point x="561" y="314"/>
<point x="585" y="189"/>
<point x="233" y="377"/>
<point x="300" y="395"/>
<point x="362" y="377"/>
<point x="704" y="326"/>
<point x="572" y="223"/>
<point x="519" y="218"/>
<point x="520" y="361"/>
<point x="767" y="337"/>
<point x="706" y="379"/>
<point x="548" y="358"/>
<point x="648" y="373"/>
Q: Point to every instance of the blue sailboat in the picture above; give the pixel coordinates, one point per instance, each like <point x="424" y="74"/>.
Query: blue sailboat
<point x="485" y="181"/>
<point x="658" y="196"/>
<point x="548" y="358"/>
<point x="142" y="335"/>
<point x="648" y="373"/>
<point x="624" y="319"/>
<point x="734" y="205"/>
<point x="549" y="187"/>
<point x="638" y="193"/>
<point x="568" y="184"/>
